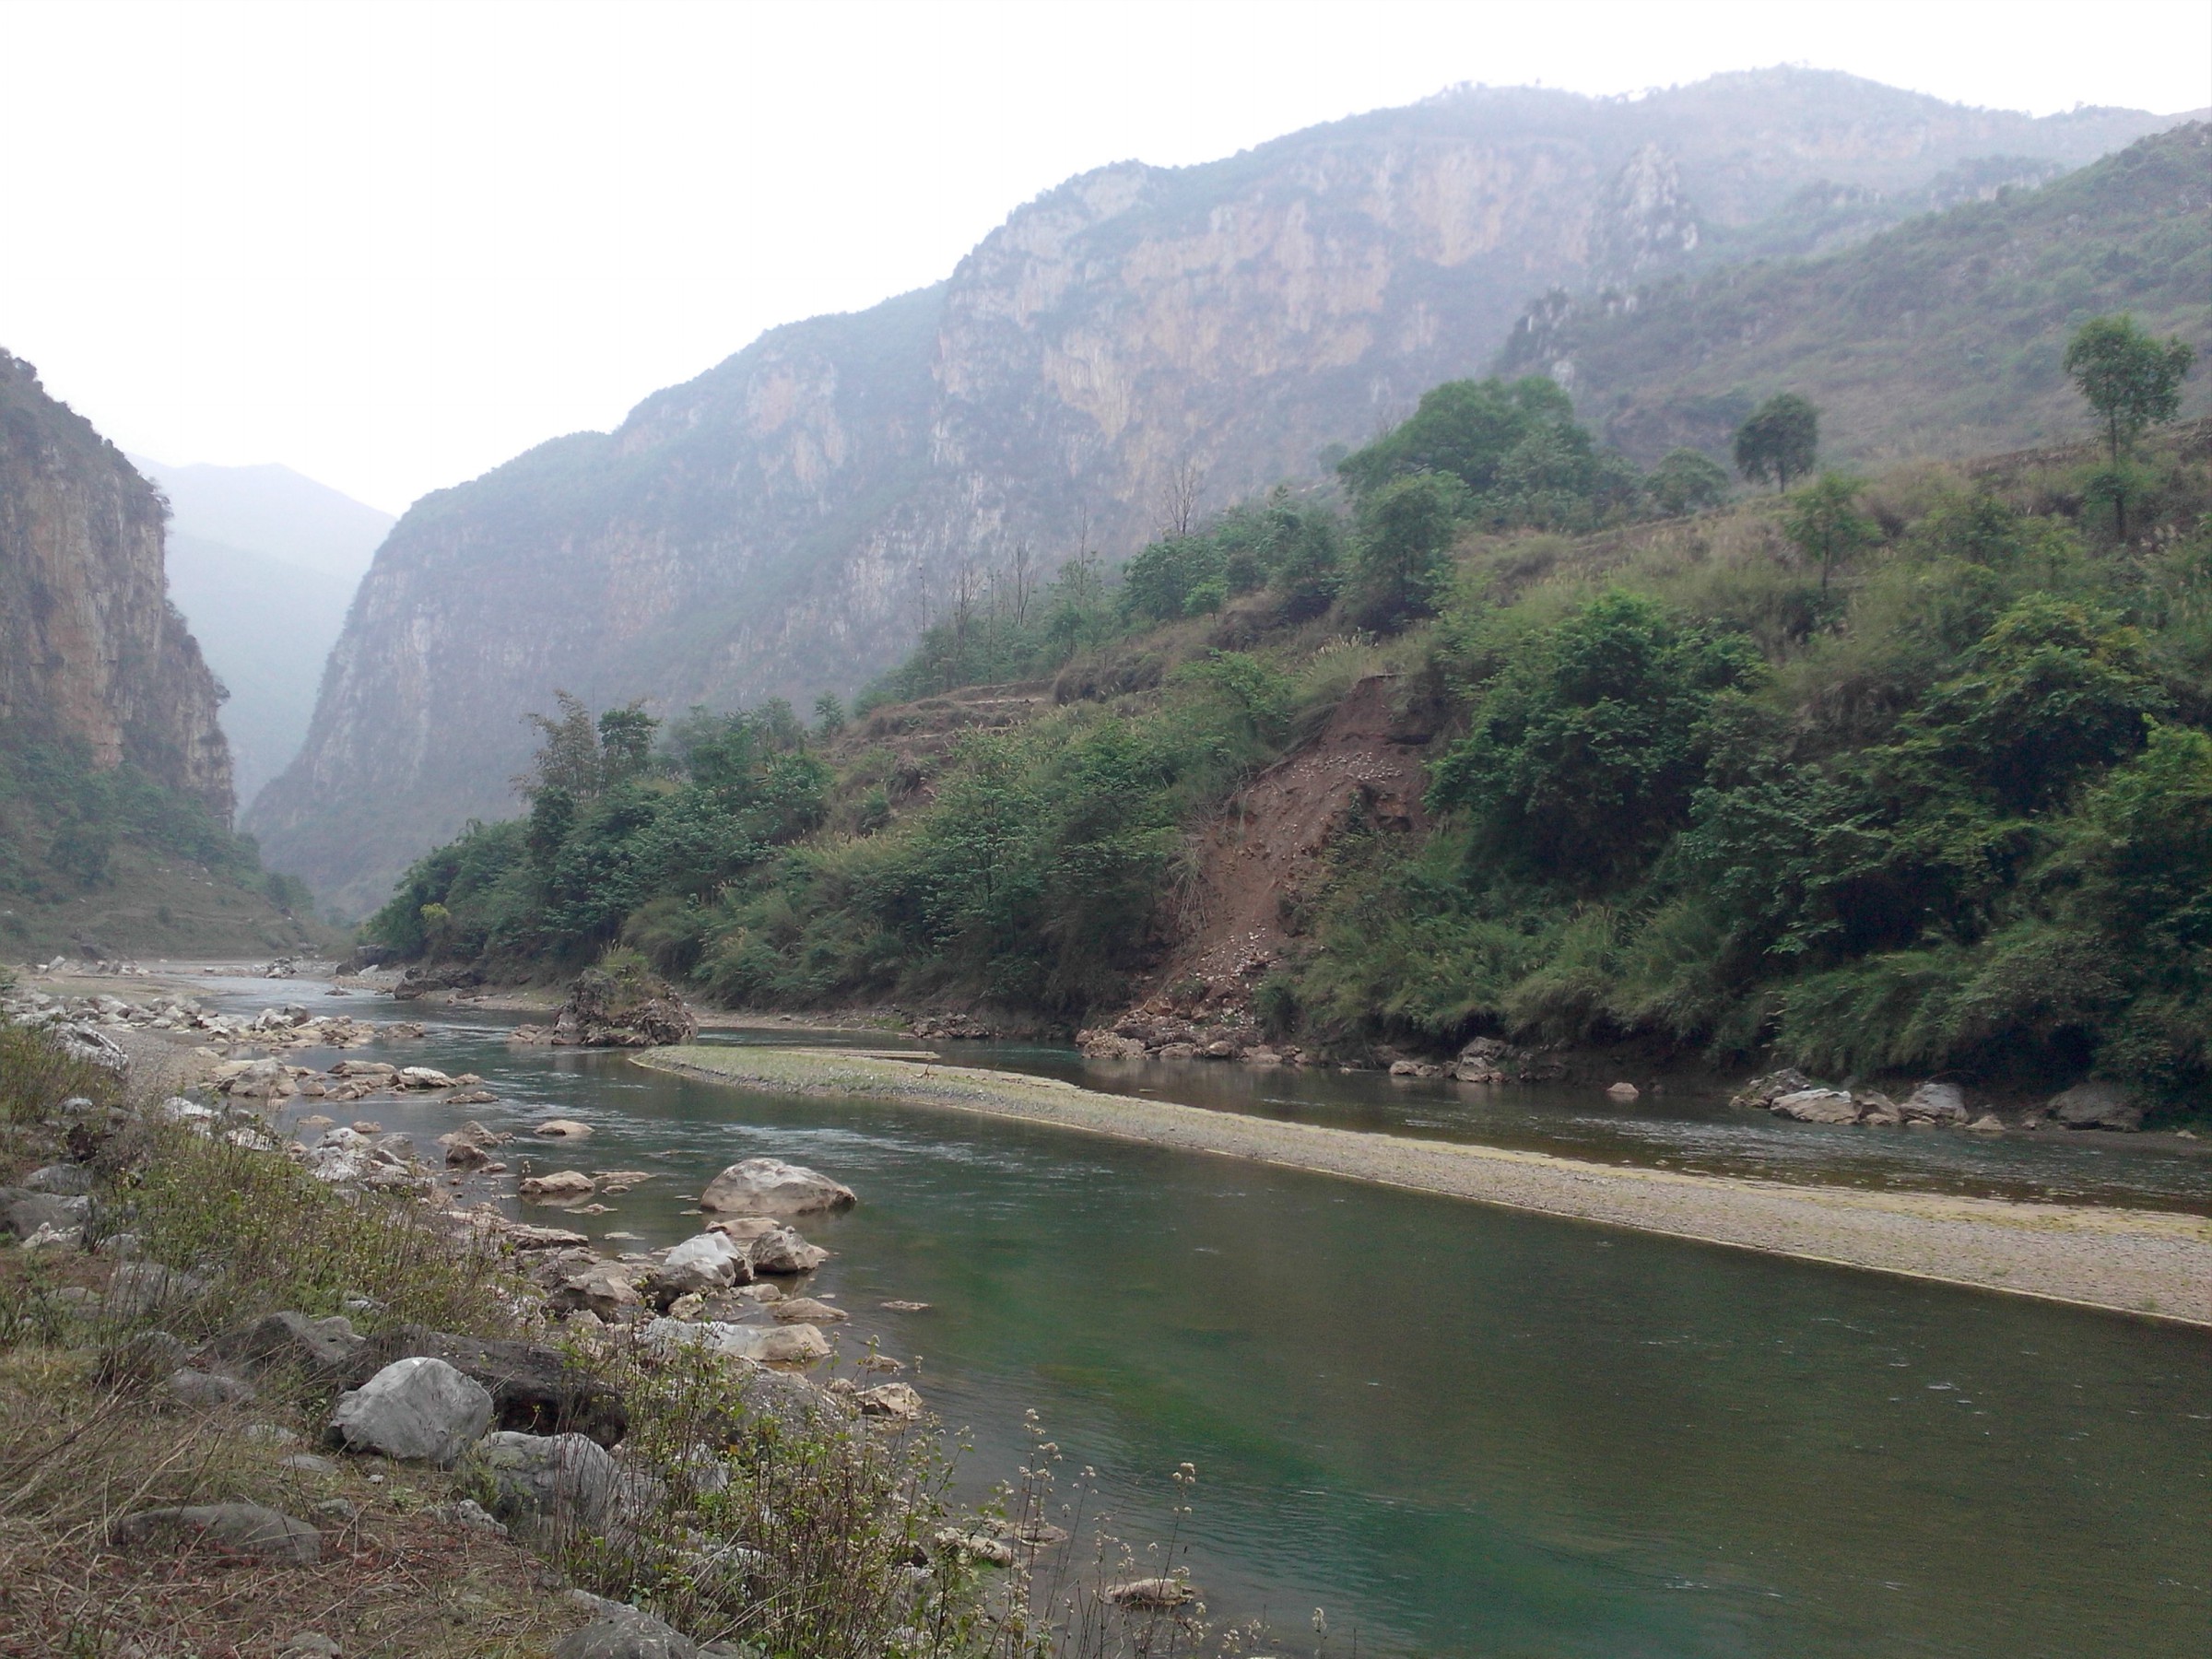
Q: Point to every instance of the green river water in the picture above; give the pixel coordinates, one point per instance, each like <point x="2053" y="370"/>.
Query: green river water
<point x="1466" y="1431"/>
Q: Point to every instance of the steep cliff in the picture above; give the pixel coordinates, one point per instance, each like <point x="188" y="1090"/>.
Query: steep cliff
<point x="90" y="648"/>
<point x="114" y="776"/>
<point x="784" y="522"/>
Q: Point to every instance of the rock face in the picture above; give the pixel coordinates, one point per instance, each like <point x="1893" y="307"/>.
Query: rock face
<point x="89" y="645"/>
<point x="778" y="524"/>
<point x="769" y="1186"/>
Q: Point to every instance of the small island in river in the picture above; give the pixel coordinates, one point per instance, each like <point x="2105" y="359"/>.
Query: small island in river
<point x="2140" y="1262"/>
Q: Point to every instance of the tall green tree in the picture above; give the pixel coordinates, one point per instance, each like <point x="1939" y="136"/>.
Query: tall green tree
<point x="2133" y="382"/>
<point x="1779" y="441"/>
<point x="1407" y="528"/>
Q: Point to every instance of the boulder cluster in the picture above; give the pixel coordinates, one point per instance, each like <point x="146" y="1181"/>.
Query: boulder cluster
<point x="87" y="1022"/>
<point x="531" y="1429"/>
<point x="1935" y="1105"/>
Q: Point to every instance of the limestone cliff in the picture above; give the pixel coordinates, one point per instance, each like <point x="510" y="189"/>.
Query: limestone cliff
<point x="90" y="646"/>
<point x="783" y="523"/>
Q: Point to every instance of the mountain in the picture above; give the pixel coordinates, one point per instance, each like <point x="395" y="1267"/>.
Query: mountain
<point x="115" y="796"/>
<point x="784" y="524"/>
<point x="1942" y="335"/>
<point x="262" y="562"/>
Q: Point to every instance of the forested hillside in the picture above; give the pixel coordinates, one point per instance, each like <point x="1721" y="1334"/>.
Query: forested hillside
<point x="1135" y="339"/>
<point x="1913" y="775"/>
<point x="1940" y="336"/>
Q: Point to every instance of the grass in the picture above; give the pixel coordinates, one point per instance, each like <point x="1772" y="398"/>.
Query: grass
<point x="757" y="1509"/>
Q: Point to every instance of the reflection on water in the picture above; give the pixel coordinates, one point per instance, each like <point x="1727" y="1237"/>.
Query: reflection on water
<point x="1461" y="1430"/>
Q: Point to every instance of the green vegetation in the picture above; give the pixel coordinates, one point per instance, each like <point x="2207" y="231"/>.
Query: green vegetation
<point x="93" y="851"/>
<point x="1779" y="441"/>
<point x="1945" y="335"/>
<point x="1900" y="774"/>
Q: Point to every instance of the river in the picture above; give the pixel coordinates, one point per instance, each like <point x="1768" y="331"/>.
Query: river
<point x="1466" y="1431"/>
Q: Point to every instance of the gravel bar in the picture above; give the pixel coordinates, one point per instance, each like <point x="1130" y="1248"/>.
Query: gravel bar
<point x="2137" y="1262"/>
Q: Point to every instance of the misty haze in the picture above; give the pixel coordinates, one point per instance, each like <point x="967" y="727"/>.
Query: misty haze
<point x="1335" y="838"/>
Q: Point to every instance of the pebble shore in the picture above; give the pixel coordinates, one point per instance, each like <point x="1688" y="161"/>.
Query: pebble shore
<point x="2138" y="1262"/>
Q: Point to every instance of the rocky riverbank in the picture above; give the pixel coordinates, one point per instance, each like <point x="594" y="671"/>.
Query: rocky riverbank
<point x="2125" y="1260"/>
<point x="324" y="1364"/>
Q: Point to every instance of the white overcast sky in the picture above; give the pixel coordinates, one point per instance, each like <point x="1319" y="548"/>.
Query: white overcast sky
<point x="393" y="245"/>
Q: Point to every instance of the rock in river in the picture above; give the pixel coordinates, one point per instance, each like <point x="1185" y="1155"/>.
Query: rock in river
<point x="769" y="1186"/>
<point x="1934" y="1103"/>
<point x="2097" y="1105"/>
<point x="1818" y="1106"/>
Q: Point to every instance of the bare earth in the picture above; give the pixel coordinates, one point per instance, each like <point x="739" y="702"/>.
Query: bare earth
<point x="2137" y="1262"/>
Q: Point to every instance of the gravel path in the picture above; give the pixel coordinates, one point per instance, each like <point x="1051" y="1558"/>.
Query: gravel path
<point x="2128" y="1261"/>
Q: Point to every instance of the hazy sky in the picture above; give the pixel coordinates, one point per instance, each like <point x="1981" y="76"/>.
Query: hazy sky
<point x="392" y="244"/>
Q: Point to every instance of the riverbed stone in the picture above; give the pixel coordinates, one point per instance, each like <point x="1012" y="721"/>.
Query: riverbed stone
<point x="539" y="1480"/>
<point x="617" y="1632"/>
<point x="807" y="1309"/>
<point x="1818" y="1106"/>
<point x="1934" y="1103"/>
<point x="247" y="1529"/>
<point x="559" y="1186"/>
<point x="797" y="1344"/>
<point x="895" y="1400"/>
<point x="782" y="1250"/>
<point x="414" y="1410"/>
<point x="534" y="1389"/>
<point x="701" y="1266"/>
<point x="602" y="1289"/>
<point x="2097" y="1104"/>
<point x="769" y="1186"/>
<point x="316" y="1349"/>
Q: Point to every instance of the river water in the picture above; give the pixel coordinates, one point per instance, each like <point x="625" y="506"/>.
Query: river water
<point x="1466" y="1431"/>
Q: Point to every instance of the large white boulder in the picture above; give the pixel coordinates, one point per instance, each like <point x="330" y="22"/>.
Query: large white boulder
<point x="415" y="1410"/>
<point x="769" y="1186"/>
<point x="710" y="1262"/>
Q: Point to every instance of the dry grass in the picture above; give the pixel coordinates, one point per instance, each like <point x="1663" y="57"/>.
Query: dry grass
<point x="75" y="1456"/>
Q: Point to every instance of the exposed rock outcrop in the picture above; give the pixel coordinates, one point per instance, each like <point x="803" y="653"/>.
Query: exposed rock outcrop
<point x="90" y="648"/>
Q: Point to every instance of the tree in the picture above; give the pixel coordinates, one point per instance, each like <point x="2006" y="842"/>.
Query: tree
<point x="828" y="714"/>
<point x="568" y="756"/>
<point x="1467" y="428"/>
<point x="1407" y="528"/>
<point x="1779" y="440"/>
<point x="625" y="743"/>
<point x="1685" y="481"/>
<point x="1827" y="525"/>
<point x="2132" y="381"/>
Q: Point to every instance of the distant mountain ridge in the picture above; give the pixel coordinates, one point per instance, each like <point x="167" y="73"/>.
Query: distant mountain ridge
<point x="785" y="522"/>
<point x="1941" y="335"/>
<point x="262" y="562"/>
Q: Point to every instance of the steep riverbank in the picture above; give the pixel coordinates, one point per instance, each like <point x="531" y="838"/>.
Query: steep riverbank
<point x="2124" y="1261"/>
